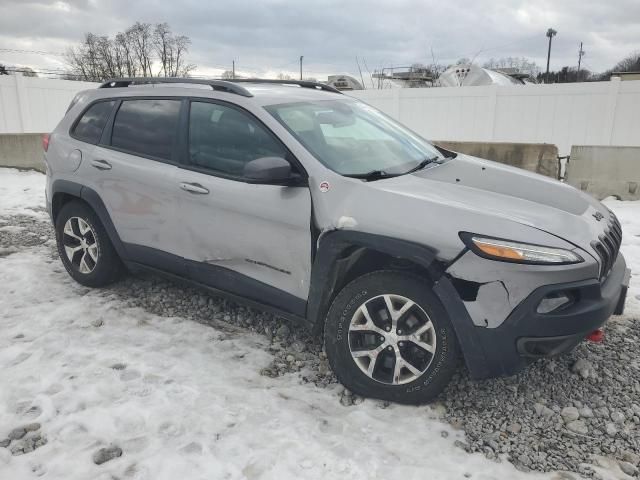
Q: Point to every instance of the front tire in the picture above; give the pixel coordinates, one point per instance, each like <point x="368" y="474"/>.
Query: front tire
<point x="387" y="336"/>
<point x="84" y="246"/>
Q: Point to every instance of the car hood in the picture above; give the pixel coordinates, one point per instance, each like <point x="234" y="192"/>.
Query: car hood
<point x="511" y="193"/>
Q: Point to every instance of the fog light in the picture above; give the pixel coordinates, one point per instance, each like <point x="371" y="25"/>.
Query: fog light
<point x="553" y="301"/>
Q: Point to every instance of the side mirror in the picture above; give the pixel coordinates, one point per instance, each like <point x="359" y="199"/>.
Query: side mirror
<point x="269" y="170"/>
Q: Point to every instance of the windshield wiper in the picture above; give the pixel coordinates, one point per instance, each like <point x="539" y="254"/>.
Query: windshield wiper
<point x="372" y="175"/>
<point x="380" y="174"/>
<point x="424" y="163"/>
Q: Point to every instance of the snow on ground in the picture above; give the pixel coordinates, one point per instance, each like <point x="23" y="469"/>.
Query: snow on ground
<point x="21" y="192"/>
<point x="629" y="215"/>
<point x="190" y="402"/>
<point x="185" y="400"/>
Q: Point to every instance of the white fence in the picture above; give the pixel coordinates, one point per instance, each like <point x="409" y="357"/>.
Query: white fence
<point x="598" y="113"/>
<point x="35" y="105"/>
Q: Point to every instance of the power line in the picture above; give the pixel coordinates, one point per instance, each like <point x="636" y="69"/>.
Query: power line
<point x="37" y="52"/>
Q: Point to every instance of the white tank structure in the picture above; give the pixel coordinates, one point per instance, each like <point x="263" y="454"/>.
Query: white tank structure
<point x="473" y="75"/>
<point x="344" y="82"/>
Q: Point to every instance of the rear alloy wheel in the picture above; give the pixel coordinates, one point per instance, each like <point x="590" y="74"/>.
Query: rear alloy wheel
<point x="84" y="246"/>
<point x="80" y="245"/>
<point x="388" y="336"/>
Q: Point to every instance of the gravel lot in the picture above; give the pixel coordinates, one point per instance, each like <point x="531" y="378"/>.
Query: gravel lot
<point x="569" y="414"/>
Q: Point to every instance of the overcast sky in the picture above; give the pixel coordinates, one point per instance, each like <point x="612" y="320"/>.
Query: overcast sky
<point x="267" y="37"/>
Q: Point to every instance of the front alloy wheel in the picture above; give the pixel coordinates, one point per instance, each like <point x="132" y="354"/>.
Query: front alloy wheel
<point x="388" y="336"/>
<point x="392" y="339"/>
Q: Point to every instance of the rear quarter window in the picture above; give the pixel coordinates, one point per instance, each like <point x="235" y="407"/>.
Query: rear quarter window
<point x="148" y="127"/>
<point x="92" y="122"/>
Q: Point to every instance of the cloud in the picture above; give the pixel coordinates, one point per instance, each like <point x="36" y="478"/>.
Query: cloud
<point x="270" y="35"/>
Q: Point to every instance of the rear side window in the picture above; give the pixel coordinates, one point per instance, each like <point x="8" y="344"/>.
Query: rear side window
<point x="89" y="127"/>
<point x="147" y="127"/>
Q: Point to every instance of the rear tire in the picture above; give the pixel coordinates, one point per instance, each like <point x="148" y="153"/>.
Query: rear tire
<point x="84" y="246"/>
<point x="387" y="336"/>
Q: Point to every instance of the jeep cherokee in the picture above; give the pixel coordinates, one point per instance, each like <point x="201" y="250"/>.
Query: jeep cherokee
<point x="300" y="200"/>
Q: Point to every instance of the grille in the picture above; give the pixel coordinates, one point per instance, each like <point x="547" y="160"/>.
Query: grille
<point x="607" y="246"/>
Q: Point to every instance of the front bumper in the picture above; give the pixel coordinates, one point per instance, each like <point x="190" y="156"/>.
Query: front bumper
<point x="548" y="335"/>
<point x="526" y="334"/>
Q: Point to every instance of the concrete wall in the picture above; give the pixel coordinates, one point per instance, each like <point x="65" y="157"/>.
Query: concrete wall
<point x="34" y="105"/>
<point x="606" y="171"/>
<point x="22" y="151"/>
<point x="591" y="113"/>
<point x="25" y="151"/>
<point x="537" y="157"/>
<point x="600" y="171"/>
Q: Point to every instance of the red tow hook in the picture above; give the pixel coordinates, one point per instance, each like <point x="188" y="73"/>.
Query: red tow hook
<point x="597" y="336"/>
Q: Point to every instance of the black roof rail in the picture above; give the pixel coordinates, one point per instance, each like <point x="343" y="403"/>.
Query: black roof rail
<point x="221" y="85"/>
<point x="301" y="83"/>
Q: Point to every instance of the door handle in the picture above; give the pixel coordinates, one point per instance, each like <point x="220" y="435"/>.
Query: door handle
<point x="101" y="164"/>
<point x="194" y="188"/>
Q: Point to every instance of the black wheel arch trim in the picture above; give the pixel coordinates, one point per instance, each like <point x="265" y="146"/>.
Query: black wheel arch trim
<point x="92" y="198"/>
<point x="332" y="245"/>
<point x="466" y="331"/>
<point x="325" y="275"/>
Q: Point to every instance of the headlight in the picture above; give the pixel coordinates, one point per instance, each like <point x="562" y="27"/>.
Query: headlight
<point x="507" y="251"/>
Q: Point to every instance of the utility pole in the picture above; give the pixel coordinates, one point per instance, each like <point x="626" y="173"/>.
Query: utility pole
<point x="581" y="53"/>
<point x="301" y="57"/>
<point x="550" y="33"/>
<point x="233" y="68"/>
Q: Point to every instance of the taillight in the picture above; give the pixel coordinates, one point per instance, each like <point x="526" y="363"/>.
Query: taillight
<point x="45" y="141"/>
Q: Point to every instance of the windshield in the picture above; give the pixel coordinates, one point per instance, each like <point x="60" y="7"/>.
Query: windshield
<point x="352" y="138"/>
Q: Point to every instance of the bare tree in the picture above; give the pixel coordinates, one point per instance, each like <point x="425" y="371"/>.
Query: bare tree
<point x="134" y="52"/>
<point x="567" y="75"/>
<point x="521" y="64"/>
<point x="181" y="47"/>
<point x="226" y="75"/>
<point x="284" y="76"/>
<point x="162" y="42"/>
<point x="122" y="44"/>
<point x="141" y="38"/>
<point x="629" y="64"/>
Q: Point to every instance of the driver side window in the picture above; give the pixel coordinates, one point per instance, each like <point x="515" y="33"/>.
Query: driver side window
<point x="224" y="139"/>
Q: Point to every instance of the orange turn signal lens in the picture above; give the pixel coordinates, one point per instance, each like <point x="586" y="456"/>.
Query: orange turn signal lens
<point x="499" y="251"/>
<point x="511" y="251"/>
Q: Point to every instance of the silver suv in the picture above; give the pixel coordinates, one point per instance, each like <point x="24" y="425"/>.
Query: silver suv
<point x="303" y="201"/>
